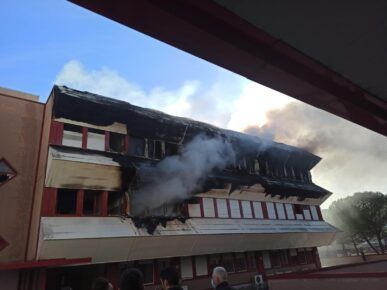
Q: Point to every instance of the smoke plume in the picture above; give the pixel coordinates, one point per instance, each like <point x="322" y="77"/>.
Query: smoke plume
<point x="353" y="158"/>
<point x="176" y="177"/>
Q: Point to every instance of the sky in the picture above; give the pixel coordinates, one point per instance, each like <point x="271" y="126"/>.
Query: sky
<point x="45" y="42"/>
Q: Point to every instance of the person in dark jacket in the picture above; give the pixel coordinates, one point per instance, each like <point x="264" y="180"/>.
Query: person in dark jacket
<point x="132" y="279"/>
<point x="101" y="283"/>
<point x="169" y="279"/>
<point x="219" y="279"/>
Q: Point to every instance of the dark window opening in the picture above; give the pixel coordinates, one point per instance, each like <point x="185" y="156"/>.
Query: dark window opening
<point x="214" y="261"/>
<point x="240" y="262"/>
<point x="66" y="201"/>
<point x="137" y="146"/>
<point x="146" y="267"/>
<point x="251" y="260"/>
<point x="72" y="128"/>
<point x="171" y="149"/>
<point x="6" y="172"/>
<point x="301" y="256"/>
<point x="298" y="209"/>
<point x="117" y="142"/>
<point x="275" y="258"/>
<point x="158" y="150"/>
<point x="151" y="148"/>
<point x="228" y="263"/>
<point x="115" y="202"/>
<point x="92" y="202"/>
<point x="284" y="258"/>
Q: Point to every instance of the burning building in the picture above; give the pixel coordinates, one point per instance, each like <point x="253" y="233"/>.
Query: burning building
<point x="108" y="185"/>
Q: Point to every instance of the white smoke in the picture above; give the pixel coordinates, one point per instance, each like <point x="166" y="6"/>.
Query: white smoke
<point x="177" y="177"/>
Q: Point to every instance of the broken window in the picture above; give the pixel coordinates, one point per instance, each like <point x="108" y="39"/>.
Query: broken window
<point x="72" y="135"/>
<point x="6" y="172"/>
<point x="92" y="202"/>
<point x="95" y="139"/>
<point x="299" y="211"/>
<point x="156" y="149"/>
<point x="137" y="146"/>
<point x="171" y="149"/>
<point x="66" y="201"/>
<point x="116" y="142"/>
<point x="146" y="267"/>
<point x="115" y="202"/>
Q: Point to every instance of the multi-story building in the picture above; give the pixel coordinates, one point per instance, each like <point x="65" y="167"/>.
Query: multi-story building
<point x="73" y="189"/>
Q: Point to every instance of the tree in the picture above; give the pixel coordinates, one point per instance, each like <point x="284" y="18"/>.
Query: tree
<point x="363" y="215"/>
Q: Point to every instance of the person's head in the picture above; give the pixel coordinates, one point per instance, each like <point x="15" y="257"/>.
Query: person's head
<point x="169" y="278"/>
<point x="101" y="283"/>
<point x="219" y="275"/>
<point x="132" y="279"/>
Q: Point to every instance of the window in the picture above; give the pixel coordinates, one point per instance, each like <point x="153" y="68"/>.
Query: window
<point x="314" y="213"/>
<point x="208" y="207"/>
<point x="6" y="172"/>
<point x="201" y="266"/>
<point x="72" y="135"/>
<point x="293" y="257"/>
<point x="301" y="256"/>
<point x="307" y="213"/>
<point x="275" y="258"/>
<point x="240" y="262"/>
<point x="92" y="202"/>
<point x="163" y="263"/>
<point x="289" y="211"/>
<point x="234" y="208"/>
<point x="228" y="263"/>
<point x="298" y="209"/>
<point x="284" y="258"/>
<point x="214" y="261"/>
<point x="256" y="166"/>
<point x="137" y="146"/>
<point x="280" y="211"/>
<point x="266" y="260"/>
<point x="156" y="149"/>
<point x="194" y="210"/>
<point x="246" y="207"/>
<point x="251" y="260"/>
<point x="115" y="202"/>
<point x="117" y="142"/>
<point x="66" y="201"/>
<point x="95" y="139"/>
<point x="171" y="149"/>
<point x="222" y="208"/>
<point x="258" y="213"/>
<point x="146" y="267"/>
<point x="186" y="268"/>
<point x="271" y="210"/>
<point x="309" y="255"/>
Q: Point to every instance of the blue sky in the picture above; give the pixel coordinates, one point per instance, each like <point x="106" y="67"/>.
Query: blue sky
<point x="40" y="36"/>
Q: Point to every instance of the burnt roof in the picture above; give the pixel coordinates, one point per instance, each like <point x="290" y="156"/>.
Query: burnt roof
<point x="99" y="110"/>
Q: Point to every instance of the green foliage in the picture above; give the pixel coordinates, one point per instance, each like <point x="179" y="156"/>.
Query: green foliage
<point x="362" y="215"/>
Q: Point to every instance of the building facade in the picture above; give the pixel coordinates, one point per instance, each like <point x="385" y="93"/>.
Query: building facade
<point x="75" y="216"/>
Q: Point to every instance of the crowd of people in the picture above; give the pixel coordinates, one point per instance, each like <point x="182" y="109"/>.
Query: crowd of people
<point x="132" y="279"/>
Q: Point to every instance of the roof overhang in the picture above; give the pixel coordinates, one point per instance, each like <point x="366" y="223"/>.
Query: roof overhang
<point x="288" y="48"/>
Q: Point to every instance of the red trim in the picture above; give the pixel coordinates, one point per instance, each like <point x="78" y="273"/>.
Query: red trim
<point x="252" y="210"/>
<point x="44" y="263"/>
<point x="84" y="137"/>
<point x="79" y="206"/>
<point x="201" y="207"/>
<point x="104" y="203"/>
<point x="107" y="141"/>
<point x="241" y="209"/>
<point x="229" y="208"/>
<point x="215" y="207"/>
<point x="48" y="201"/>
<point x="56" y="133"/>
<point x="264" y="210"/>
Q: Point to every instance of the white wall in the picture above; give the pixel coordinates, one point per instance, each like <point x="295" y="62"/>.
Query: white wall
<point x="246" y="207"/>
<point x="208" y="207"/>
<point x="222" y="208"/>
<point x="289" y="211"/>
<point x="271" y="210"/>
<point x="258" y="213"/>
<point x="280" y="211"/>
<point x="235" y="209"/>
<point x="95" y="141"/>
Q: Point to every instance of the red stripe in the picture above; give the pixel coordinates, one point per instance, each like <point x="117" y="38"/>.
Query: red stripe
<point x="84" y="138"/>
<point x="44" y="263"/>
<point x="107" y="140"/>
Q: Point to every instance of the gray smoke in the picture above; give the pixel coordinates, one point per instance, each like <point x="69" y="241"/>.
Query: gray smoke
<point x="354" y="158"/>
<point x="177" y="177"/>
